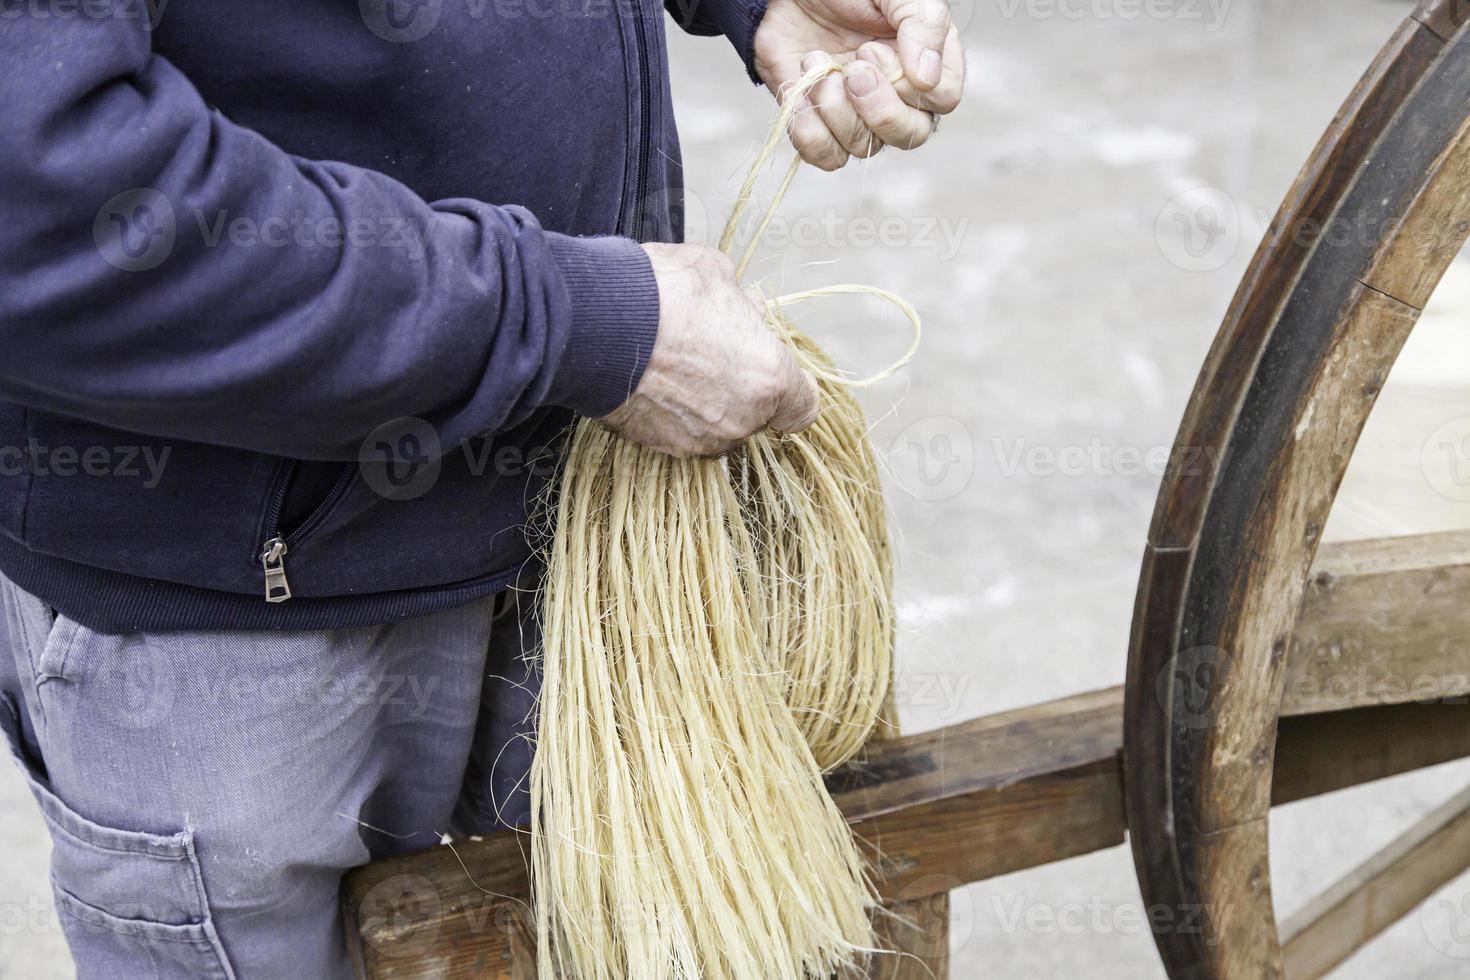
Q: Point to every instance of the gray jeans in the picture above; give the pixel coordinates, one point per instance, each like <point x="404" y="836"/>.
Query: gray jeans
<point x="205" y="792"/>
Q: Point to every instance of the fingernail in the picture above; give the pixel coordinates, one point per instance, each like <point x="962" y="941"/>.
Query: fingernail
<point x="813" y="59"/>
<point x="929" y="64"/>
<point x="862" y="80"/>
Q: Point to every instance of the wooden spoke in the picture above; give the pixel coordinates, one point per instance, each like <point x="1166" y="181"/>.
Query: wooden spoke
<point x="1378" y="893"/>
<point x="1378" y="213"/>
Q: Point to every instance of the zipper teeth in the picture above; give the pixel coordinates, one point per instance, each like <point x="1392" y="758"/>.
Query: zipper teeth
<point x="306" y="526"/>
<point x="271" y="529"/>
<point x="645" y="106"/>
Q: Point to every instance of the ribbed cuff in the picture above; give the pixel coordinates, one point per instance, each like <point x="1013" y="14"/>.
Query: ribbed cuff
<point x="738" y="20"/>
<point x="614" y="305"/>
<point x="738" y="23"/>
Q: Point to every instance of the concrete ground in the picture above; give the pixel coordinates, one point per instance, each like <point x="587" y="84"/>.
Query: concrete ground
<point x="1043" y="237"/>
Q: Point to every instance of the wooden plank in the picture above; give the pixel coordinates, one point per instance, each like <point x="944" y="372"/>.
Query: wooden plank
<point x="1383" y="622"/>
<point x="1026" y="787"/>
<point x="1379" y="892"/>
<point x="933" y="811"/>
<point x="917" y="935"/>
<point x="983" y="798"/>
<point x="990" y="796"/>
<point x="1318" y="754"/>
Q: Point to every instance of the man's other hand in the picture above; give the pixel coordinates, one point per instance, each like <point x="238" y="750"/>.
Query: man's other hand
<point x="717" y="373"/>
<point x="857" y="112"/>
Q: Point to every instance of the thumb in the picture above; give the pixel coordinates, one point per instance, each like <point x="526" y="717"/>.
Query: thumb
<point x="922" y="27"/>
<point x="800" y="400"/>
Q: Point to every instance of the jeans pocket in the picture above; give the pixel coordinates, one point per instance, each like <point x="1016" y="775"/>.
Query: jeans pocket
<point x="131" y="904"/>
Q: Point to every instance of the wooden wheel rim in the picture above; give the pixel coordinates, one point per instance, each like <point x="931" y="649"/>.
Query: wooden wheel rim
<point x="1375" y="218"/>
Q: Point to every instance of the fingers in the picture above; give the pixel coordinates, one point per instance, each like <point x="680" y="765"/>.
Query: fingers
<point x="857" y="114"/>
<point x="923" y="28"/>
<point x="794" y="407"/>
<point x="837" y="111"/>
<point x="797" y="406"/>
<point x="810" y="132"/>
<point x="878" y="103"/>
<point x="945" y="97"/>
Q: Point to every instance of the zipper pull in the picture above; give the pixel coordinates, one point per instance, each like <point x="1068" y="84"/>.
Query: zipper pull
<point x="273" y="559"/>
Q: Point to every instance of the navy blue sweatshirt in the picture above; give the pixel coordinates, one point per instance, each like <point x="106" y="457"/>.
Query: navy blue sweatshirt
<point x="297" y="297"/>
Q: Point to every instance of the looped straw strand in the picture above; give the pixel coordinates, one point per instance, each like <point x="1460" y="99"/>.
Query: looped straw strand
<point x="790" y="105"/>
<point x="717" y="635"/>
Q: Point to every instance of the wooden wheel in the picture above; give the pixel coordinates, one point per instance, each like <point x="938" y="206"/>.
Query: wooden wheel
<point x="1378" y="213"/>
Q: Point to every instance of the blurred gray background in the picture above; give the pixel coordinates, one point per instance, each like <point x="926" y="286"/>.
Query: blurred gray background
<point x="1043" y="236"/>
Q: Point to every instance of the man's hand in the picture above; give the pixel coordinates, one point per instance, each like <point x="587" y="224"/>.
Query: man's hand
<point x="717" y="373"/>
<point x="855" y="113"/>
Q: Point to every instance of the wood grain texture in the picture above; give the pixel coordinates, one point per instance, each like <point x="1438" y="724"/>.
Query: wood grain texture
<point x="454" y="914"/>
<point x="988" y="797"/>
<point x="1322" y="753"/>
<point x="1365" y="234"/>
<point x="1251" y="570"/>
<point x="917" y="934"/>
<point x="1000" y="793"/>
<point x="1443" y="17"/>
<point x="1383" y="622"/>
<point x="1379" y="892"/>
<point x="933" y="811"/>
<point x="1237" y="909"/>
<point x="1147" y="727"/>
<point x="1412" y="258"/>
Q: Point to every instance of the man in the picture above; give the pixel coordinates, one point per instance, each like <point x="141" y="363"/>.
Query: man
<point x="281" y="385"/>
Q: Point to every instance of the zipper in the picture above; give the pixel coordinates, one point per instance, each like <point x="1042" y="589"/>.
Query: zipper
<point x="277" y="545"/>
<point x="273" y="559"/>
<point x="645" y="109"/>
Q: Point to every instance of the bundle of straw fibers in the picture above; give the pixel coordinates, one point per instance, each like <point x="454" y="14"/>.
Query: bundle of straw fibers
<point x="717" y="634"/>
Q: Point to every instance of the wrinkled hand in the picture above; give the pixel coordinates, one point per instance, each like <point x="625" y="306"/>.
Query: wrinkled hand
<point x="856" y="113"/>
<point x="717" y="373"/>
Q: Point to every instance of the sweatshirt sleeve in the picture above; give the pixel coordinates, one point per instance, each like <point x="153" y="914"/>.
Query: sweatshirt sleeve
<point x="165" y="271"/>
<point x="735" y="19"/>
